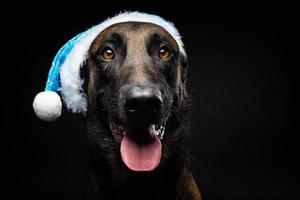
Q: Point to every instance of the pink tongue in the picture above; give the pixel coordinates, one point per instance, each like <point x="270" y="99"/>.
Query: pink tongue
<point x="141" y="157"/>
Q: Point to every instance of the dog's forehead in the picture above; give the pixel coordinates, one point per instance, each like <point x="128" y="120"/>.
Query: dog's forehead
<point x="132" y="31"/>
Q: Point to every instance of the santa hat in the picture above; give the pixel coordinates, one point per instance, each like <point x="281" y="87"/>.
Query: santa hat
<point x="64" y="74"/>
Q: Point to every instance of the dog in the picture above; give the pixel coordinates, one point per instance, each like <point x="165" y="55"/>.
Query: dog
<point x="137" y="115"/>
<point x="128" y="76"/>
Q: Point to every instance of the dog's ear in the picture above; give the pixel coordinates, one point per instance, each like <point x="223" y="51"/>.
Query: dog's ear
<point x="181" y="80"/>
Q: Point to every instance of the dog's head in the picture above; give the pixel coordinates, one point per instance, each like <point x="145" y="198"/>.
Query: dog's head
<point x="133" y="67"/>
<point x="136" y="88"/>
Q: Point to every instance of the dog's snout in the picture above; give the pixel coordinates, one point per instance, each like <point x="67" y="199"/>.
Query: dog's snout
<point x="143" y="100"/>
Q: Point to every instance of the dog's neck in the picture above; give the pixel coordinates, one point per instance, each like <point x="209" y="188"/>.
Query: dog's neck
<point x="156" y="185"/>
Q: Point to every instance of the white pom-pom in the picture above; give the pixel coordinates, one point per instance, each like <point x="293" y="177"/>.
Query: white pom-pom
<point x="47" y="105"/>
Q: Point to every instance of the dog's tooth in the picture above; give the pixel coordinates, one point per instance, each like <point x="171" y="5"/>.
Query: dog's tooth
<point x="157" y="132"/>
<point x="162" y="132"/>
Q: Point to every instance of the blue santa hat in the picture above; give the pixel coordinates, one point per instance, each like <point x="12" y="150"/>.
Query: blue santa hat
<point x="64" y="74"/>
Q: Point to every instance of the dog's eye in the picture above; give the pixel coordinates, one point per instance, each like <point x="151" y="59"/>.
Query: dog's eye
<point x="107" y="53"/>
<point x="164" y="52"/>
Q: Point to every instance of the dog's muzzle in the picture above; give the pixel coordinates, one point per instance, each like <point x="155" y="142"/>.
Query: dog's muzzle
<point x="141" y="134"/>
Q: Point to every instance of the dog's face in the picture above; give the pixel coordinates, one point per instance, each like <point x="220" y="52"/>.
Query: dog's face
<point x="136" y="77"/>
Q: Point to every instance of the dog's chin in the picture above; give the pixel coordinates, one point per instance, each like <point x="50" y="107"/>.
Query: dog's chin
<point x="140" y="145"/>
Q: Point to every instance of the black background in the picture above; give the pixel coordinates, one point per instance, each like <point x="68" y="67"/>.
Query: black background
<point x="241" y="76"/>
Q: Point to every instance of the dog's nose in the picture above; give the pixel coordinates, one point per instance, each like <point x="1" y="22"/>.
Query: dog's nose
<point x="143" y="100"/>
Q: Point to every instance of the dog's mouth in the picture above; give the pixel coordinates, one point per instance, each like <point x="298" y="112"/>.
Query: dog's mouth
<point x="141" y="145"/>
